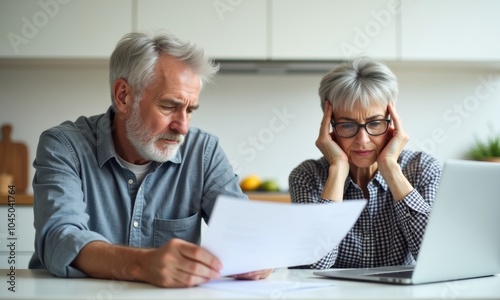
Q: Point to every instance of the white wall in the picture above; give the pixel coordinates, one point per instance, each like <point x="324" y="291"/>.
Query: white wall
<point x="267" y="124"/>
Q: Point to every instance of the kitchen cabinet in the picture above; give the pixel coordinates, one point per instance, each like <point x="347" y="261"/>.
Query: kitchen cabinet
<point x="450" y="30"/>
<point x="333" y="29"/>
<point x="21" y="199"/>
<point x="392" y="30"/>
<point x="23" y="232"/>
<point x="62" y="28"/>
<point x="228" y="29"/>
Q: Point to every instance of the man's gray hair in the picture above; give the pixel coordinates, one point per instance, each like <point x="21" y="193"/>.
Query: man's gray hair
<point x="136" y="54"/>
<point x="360" y="80"/>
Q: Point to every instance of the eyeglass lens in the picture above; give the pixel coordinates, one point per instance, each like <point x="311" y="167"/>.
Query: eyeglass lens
<point x="350" y="129"/>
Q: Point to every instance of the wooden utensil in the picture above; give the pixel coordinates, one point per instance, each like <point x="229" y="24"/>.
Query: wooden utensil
<point x="14" y="159"/>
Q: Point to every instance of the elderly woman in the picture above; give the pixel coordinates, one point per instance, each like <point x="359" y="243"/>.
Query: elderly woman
<point x="364" y="158"/>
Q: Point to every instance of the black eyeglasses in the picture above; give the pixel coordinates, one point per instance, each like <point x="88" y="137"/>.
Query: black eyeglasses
<point x="350" y="129"/>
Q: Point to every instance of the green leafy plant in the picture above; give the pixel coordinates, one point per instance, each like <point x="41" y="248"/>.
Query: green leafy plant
<point x="485" y="150"/>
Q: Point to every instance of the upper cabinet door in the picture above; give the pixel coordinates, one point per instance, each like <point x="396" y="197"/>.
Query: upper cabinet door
<point x="62" y="28"/>
<point x="333" y="29"/>
<point x="450" y="30"/>
<point x="230" y="29"/>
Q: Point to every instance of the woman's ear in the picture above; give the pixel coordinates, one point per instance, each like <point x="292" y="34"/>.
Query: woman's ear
<point x="122" y="95"/>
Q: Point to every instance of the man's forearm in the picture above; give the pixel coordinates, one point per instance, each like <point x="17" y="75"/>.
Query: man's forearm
<point x="103" y="260"/>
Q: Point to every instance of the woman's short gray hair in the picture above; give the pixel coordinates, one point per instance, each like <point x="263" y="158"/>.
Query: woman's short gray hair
<point x="136" y="54"/>
<point x="359" y="81"/>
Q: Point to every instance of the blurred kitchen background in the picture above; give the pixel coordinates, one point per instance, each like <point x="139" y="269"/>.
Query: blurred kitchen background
<point x="264" y="104"/>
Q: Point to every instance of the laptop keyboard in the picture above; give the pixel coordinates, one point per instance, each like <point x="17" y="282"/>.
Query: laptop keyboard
<point x="398" y="274"/>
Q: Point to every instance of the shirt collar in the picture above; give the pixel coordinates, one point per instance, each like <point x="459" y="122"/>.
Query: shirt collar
<point x="377" y="180"/>
<point x="106" y="147"/>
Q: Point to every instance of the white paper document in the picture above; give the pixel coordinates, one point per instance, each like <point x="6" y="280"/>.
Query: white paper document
<point x="255" y="235"/>
<point x="275" y="289"/>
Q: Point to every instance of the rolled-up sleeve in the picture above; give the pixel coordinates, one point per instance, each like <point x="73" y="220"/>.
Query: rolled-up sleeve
<point x="60" y="217"/>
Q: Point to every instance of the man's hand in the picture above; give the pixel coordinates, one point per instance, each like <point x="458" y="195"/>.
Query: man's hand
<point x="180" y="264"/>
<point x="176" y="264"/>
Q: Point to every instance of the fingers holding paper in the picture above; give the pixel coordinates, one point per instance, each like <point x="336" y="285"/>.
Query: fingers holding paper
<point x="182" y="264"/>
<point x="185" y="264"/>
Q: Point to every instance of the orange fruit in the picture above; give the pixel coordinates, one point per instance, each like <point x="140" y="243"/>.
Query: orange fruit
<point x="250" y="183"/>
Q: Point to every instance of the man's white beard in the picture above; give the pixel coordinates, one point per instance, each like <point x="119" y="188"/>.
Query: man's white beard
<point x="145" y="143"/>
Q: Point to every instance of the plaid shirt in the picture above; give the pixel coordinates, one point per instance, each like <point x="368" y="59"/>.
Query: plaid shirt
<point x="387" y="232"/>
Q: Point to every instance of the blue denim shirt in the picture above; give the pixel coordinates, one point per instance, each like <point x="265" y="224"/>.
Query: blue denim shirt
<point x="82" y="193"/>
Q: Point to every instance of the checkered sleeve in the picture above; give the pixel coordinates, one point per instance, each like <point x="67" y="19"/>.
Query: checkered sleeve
<point x="424" y="173"/>
<point x="306" y="184"/>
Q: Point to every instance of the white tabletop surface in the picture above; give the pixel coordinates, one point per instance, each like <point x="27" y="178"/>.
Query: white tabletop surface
<point x="39" y="284"/>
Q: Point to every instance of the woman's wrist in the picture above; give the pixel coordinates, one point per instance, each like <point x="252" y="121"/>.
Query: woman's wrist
<point x="334" y="185"/>
<point x="398" y="184"/>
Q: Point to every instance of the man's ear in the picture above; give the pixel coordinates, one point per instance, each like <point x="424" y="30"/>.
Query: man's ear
<point x="122" y="95"/>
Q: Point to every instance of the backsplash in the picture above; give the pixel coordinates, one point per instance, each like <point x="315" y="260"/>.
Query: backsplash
<point x="267" y="124"/>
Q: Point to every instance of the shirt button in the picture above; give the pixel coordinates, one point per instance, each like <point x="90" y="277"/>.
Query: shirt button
<point x="130" y="181"/>
<point x="136" y="224"/>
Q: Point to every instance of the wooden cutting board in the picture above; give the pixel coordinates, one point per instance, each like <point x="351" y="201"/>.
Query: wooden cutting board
<point x="14" y="159"/>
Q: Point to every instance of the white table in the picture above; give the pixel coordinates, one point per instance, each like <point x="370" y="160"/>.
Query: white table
<point x="39" y="284"/>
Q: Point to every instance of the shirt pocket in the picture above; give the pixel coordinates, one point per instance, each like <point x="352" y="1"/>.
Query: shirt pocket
<point x="187" y="229"/>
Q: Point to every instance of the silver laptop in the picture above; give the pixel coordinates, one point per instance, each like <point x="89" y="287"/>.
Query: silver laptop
<point x="461" y="239"/>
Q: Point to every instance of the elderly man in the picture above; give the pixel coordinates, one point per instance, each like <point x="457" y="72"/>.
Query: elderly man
<point x="122" y="195"/>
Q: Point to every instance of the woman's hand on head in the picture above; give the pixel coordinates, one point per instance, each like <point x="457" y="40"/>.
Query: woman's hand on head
<point x="326" y="142"/>
<point x="387" y="160"/>
<point x="396" y="140"/>
<point x="336" y="157"/>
